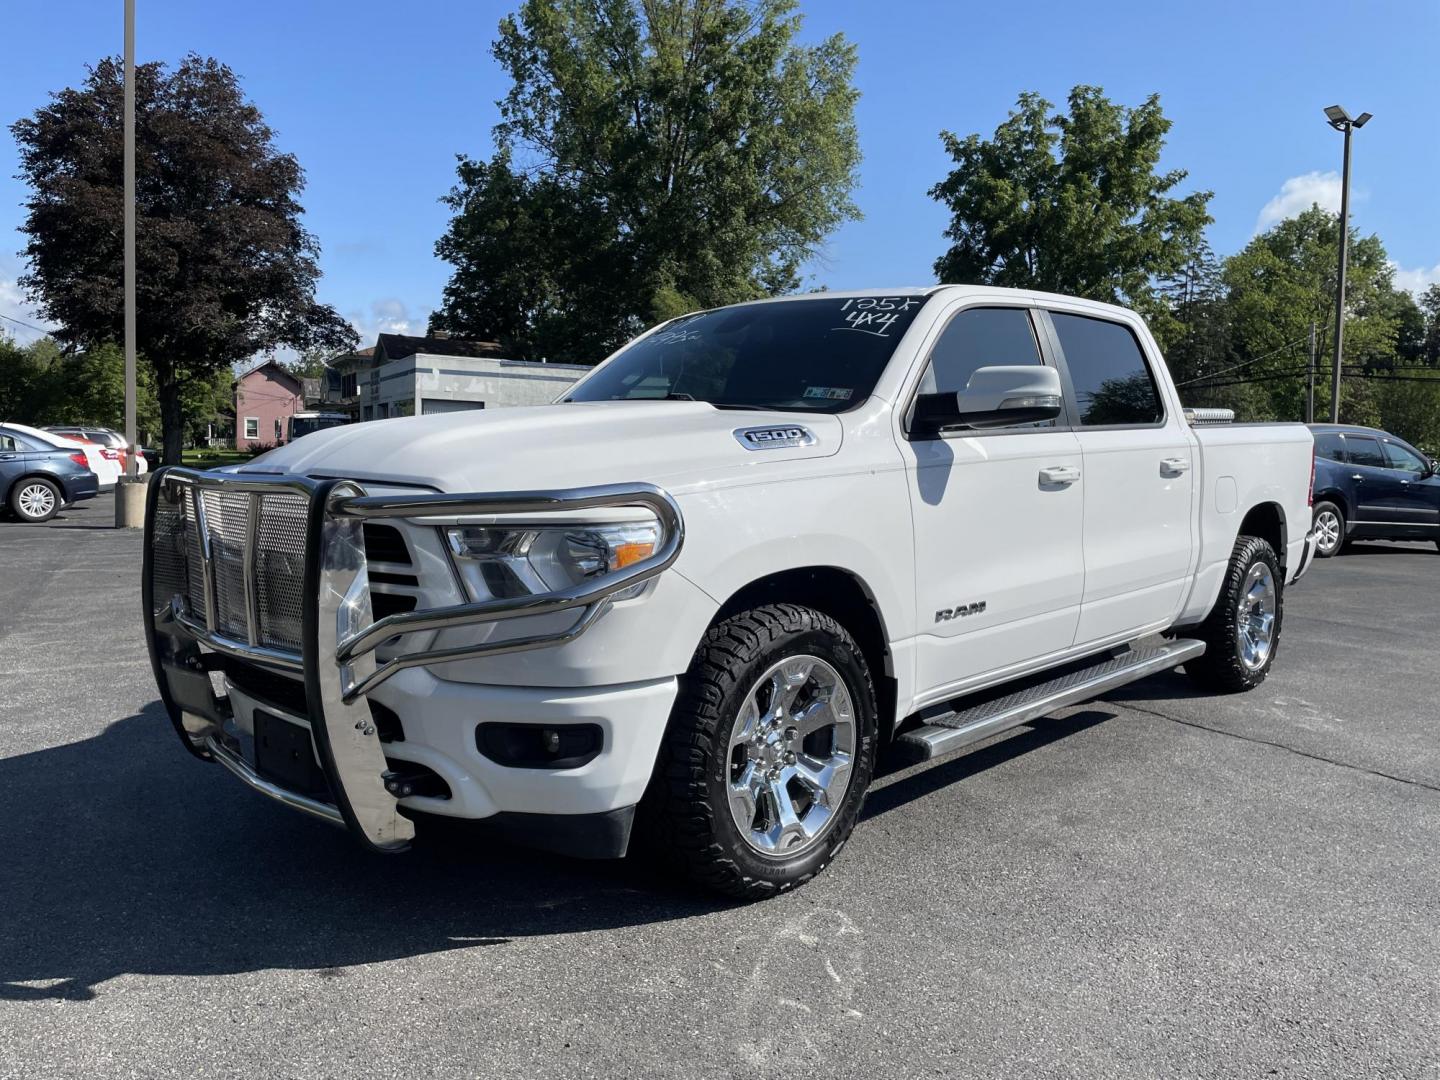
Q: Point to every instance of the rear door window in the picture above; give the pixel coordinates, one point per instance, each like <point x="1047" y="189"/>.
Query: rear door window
<point x="1113" y="384"/>
<point x="1330" y="446"/>
<point x="1364" y="450"/>
<point x="8" y="444"/>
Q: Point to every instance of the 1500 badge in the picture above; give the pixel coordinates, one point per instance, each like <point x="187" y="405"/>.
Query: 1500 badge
<point x="773" y="438"/>
<point x="946" y="614"/>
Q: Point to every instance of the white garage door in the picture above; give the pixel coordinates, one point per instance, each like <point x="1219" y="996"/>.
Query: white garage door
<point x="440" y="405"/>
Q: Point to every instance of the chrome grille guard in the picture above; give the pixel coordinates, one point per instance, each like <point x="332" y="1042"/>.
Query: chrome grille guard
<point x="339" y="634"/>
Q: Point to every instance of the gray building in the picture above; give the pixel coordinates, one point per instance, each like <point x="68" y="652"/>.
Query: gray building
<point x="413" y="376"/>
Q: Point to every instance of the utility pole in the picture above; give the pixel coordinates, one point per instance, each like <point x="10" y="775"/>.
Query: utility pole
<point x="1310" y="380"/>
<point x="1340" y="120"/>
<point x="130" y="495"/>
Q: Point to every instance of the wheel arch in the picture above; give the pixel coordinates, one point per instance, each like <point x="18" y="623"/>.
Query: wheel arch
<point x="36" y="475"/>
<point x="1337" y="496"/>
<point x="844" y="596"/>
<point x="1267" y="521"/>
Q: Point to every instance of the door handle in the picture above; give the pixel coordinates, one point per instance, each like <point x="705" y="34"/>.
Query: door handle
<point x="1174" y="466"/>
<point x="1357" y="477"/>
<point x="1060" y="474"/>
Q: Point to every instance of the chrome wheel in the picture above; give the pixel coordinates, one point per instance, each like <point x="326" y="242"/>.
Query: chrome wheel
<point x="1327" y="531"/>
<point x="791" y="749"/>
<point x="1255" y="617"/>
<point x="36" y="500"/>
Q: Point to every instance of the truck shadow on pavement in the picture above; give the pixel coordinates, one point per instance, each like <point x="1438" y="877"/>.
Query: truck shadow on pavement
<point x="127" y="856"/>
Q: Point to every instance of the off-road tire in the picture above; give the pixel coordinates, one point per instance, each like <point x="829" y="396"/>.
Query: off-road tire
<point x="1221" y="667"/>
<point x="1327" y="507"/>
<point x="685" y="820"/>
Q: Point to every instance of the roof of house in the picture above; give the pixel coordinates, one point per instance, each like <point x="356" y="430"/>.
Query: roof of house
<point x="396" y="346"/>
<point x="279" y="367"/>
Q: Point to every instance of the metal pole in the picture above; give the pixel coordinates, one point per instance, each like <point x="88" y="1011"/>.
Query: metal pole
<point x="1310" y="380"/>
<point x="130" y="466"/>
<point x="1340" y="284"/>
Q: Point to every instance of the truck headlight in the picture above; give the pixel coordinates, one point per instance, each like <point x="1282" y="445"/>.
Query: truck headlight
<point x="498" y="561"/>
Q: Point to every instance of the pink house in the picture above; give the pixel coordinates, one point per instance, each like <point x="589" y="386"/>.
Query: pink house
<point x="264" y="397"/>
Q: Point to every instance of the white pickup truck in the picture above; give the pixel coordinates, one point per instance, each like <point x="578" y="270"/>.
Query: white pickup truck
<point x="700" y="593"/>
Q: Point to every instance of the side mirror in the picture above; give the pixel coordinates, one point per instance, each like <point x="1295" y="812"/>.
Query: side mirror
<point x="994" y="397"/>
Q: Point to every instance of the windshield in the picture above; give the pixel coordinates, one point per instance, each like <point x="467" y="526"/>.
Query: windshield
<point x="824" y="354"/>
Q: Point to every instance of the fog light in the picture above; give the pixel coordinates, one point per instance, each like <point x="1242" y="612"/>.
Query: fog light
<point x="530" y="746"/>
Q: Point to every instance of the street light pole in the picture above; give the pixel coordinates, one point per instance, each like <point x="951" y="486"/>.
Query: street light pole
<point x="1340" y="120"/>
<point x="130" y="465"/>
<point x="129" y="493"/>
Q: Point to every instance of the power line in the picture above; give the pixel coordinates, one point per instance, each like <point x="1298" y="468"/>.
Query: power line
<point x="1247" y="363"/>
<point x="22" y="322"/>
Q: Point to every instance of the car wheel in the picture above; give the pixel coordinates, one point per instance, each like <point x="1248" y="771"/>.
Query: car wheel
<point x="1329" y="529"/>
<point x="34" y="499"/>
<point x="1242" y="631"/>
<point x="768" y="754"/>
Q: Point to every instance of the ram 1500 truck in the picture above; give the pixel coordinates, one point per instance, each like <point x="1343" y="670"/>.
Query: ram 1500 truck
<point x="698" y="594"/>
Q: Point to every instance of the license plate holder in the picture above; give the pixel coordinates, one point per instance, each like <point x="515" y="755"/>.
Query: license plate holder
<point x="285" y="755"/>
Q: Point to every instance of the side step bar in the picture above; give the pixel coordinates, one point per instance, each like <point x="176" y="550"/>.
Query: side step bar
<point x="947" y="732"/>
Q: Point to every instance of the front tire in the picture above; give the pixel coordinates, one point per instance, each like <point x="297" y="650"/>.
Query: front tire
<point x="1329" y="525"/>
<point x="1242" y="631"/>
<point x="768" y="755"/>
<point x="34" y="499"/>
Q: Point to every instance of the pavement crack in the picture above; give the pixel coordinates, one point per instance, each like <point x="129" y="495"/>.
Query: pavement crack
<point x="1281" y="746"/>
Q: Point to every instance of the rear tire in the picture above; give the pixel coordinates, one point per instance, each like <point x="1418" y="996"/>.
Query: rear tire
<point x="34" y="499"/>
<point x="769" y="752"/>
<point x="1329" y="525"/>
<point x="1242" y="631"/>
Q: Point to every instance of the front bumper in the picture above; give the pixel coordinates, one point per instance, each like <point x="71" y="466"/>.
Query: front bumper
<point x="338" y="640"/>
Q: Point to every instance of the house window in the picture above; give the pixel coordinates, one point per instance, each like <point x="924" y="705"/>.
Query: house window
<point x="252" y="427"/>
<point x="367" y="413"/>
<point x="349" y="385"/>
<point x="279" y="430"/>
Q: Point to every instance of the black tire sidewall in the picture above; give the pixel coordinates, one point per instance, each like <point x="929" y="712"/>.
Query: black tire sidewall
<point x="1221" y="667"/>
<point x="1340" y="517"/>
<point x="844" y="656"/>
<point x="14" y="499"/>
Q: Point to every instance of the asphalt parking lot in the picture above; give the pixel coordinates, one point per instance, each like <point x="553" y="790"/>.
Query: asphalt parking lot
<point x="1153" y="885"/>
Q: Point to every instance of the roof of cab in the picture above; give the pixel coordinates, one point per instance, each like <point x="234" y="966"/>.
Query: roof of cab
<point x="933" y="290"/>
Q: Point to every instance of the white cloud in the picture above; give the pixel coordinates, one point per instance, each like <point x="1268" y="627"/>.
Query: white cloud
<point x="1298" y="194"/>
<point x="387" y="316"/>
<point x="1415" y="281"/>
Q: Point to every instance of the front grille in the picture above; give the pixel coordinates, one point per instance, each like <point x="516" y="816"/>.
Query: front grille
<point x="280" y="568"/>
<point x="227" y="515"/>
<point x="275" y="520"/>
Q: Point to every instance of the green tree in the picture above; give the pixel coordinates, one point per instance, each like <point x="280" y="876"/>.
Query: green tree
<point x="225" y="268"/>
<point x="655" y="156"/>
<point x="1430" y="341"/>
<point x="1284" y="280"/>
<point x="1070" y="202"/>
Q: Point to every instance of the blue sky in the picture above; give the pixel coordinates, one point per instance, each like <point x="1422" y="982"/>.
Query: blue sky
<point x="377" y="99"/>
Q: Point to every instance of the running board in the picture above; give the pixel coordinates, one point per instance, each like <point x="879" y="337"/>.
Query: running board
<point x="947" y="732"/>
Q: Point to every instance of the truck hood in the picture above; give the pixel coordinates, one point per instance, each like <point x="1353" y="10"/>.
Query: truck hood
<point x="676" y="444"/>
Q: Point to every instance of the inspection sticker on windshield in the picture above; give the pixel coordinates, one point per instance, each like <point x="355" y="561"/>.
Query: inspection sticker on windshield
<point x="829" y="393"/>
<point x="875" y="314"/>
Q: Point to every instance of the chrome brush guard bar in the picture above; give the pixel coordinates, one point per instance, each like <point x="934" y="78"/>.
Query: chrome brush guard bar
<point x="339" y="635"/>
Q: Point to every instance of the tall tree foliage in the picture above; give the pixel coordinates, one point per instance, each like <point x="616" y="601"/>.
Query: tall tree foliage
<point x="1069" y="202"/>
<point x="655" y="156"/>
<point x="225" y="268"/>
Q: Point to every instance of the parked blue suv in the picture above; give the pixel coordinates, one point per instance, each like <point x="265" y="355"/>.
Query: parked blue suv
<point x="38" y="478"/>
<point x="1371" y="485"/>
